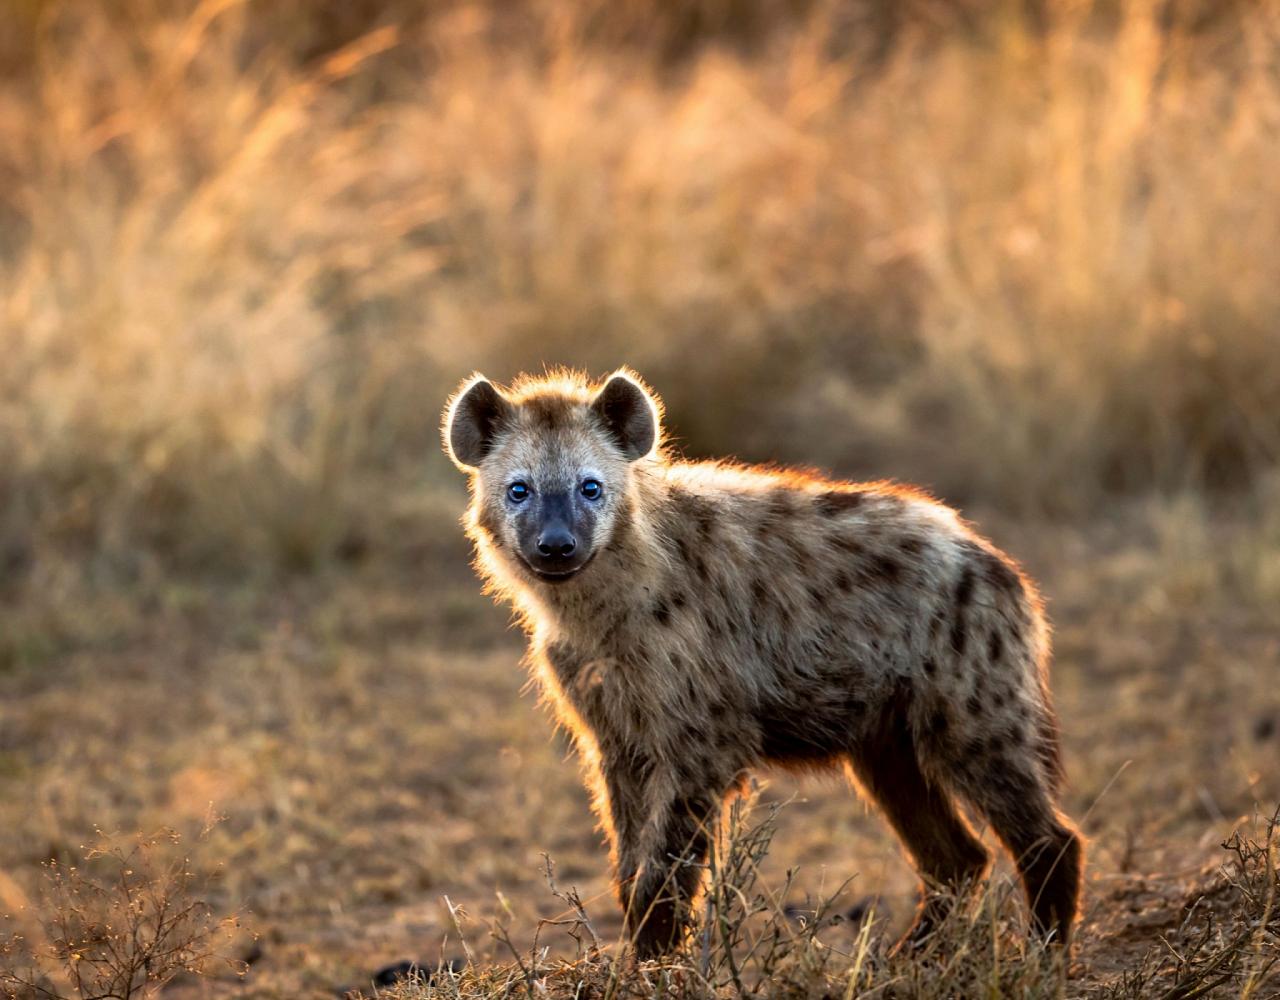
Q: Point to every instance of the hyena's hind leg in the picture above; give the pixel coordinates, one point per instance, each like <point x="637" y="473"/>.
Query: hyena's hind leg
<point x="946" y="853"/>
<point x="1011" y="777"/>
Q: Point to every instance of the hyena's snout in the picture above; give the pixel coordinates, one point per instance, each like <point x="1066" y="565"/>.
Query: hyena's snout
<point x="555" y="536"/>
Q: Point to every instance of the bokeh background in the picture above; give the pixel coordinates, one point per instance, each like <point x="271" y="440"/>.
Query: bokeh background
<point x="1023" y="253"/>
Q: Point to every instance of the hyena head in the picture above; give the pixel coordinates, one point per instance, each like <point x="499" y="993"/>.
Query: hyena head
<point x="550" y="462"/>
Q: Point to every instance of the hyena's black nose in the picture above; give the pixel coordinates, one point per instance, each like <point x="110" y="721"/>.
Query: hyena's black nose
<point x="556" y="542"/>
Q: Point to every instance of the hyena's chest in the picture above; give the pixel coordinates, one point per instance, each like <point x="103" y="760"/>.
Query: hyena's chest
<point x="639" y="685"/>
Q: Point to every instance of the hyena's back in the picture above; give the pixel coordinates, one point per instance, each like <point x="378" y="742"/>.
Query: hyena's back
<point x="832" y="601"/>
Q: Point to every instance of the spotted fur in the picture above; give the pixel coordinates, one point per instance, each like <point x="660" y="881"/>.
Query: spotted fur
<point x="731" y="617"/>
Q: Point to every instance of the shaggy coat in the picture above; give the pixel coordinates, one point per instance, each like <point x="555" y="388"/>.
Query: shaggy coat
<point x="689" y="622"/>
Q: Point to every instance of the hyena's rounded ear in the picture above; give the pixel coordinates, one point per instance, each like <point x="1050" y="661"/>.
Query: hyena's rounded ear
<point x="472" y="420"/>
<point x="629" y="414"/>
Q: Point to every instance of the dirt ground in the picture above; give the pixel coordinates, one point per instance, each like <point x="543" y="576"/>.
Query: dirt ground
<point x="362" y="754"/>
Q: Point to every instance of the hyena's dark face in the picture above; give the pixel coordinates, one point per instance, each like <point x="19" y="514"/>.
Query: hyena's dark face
<point x="551" y="470"/>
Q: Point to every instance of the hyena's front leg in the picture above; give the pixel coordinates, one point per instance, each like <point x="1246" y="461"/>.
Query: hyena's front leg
<point x="661" y="840"/>
<point x="660" y="907"/>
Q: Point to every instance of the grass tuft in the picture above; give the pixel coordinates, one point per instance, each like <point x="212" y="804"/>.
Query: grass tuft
<point x="122" y="922"/>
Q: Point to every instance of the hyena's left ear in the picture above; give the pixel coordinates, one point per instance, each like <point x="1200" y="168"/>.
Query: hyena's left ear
<point x="473" y="419"/>
<point x="629" y="414"/>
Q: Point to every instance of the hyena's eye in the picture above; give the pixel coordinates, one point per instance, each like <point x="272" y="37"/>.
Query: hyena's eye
<point x="591" y="489"/>
<point x="518" y="492"/>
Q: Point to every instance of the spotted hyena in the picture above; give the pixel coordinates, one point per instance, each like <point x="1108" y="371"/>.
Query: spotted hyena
<point x="690" y="621"/>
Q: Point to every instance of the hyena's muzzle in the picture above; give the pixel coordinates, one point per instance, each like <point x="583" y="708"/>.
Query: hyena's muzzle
<point x="554" y="532"/>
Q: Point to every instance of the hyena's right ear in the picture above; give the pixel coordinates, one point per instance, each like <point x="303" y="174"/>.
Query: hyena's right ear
<point x="629" y="413"/>
<point x="473" y="419"/>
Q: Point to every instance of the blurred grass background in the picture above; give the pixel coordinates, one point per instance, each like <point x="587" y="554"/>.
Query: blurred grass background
<point x="1023" y="252"/>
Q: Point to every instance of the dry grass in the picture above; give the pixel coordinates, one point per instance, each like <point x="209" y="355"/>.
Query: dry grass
<point x="124" y="922"/>
<point x="747" y="943"/>
<point x="1022" y="253"/>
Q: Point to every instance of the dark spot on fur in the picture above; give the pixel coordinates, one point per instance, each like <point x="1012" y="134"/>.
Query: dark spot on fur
<point x="759" y="593"/>
<point x="999" y="574"/>
<point x="930" y="668"/>
<point x="964" y="588"/>
<point x="964" y="594"/>
<point x="611" y="628"/>
<point x="678" y="599"/>
<point x="841" y="581"/>
<point x="974" y="704"/>
<point x="937" y="724"/>
<point x="817" y="595"/>
<point x="692" y="558"/>
<point x="662" y="612"/>
<point x="911" y="546"/>
<point x="995" y="645"/>
<point x="848" y="545"/>
<point x="704" y="515"/>
<point x="837" y="502"/>
<point x="885" y="569"/>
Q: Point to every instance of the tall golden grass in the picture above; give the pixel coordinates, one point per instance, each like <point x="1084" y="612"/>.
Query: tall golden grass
<point x="1032" y="262"/>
